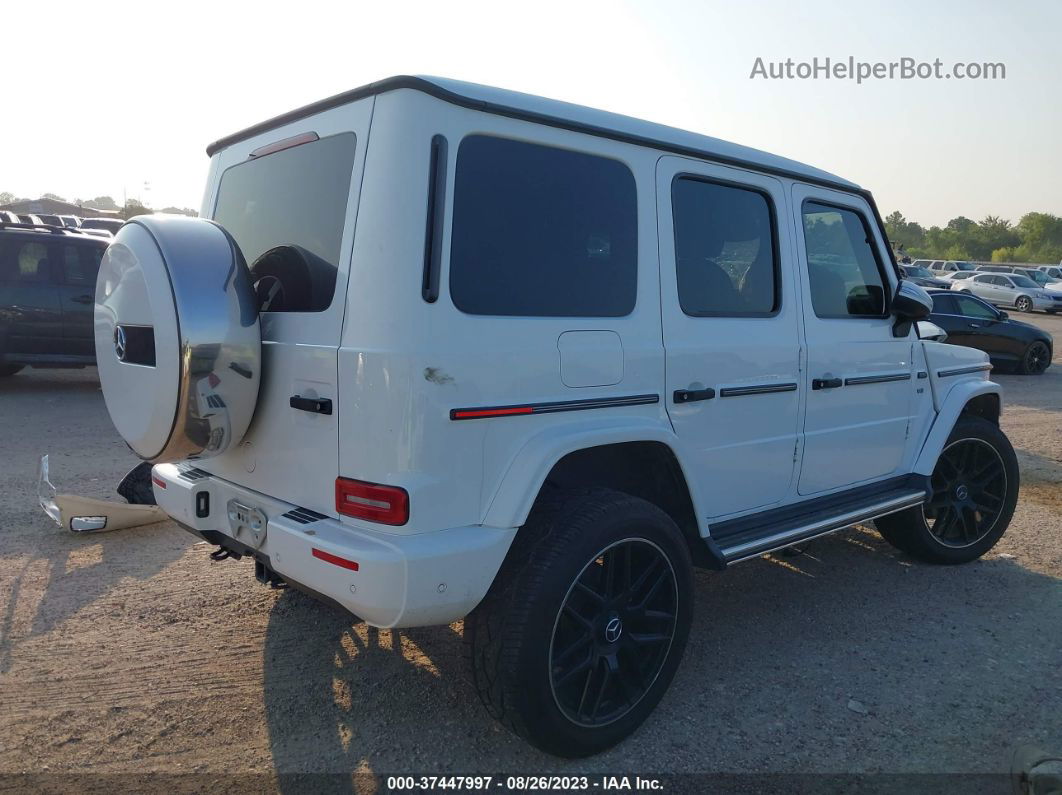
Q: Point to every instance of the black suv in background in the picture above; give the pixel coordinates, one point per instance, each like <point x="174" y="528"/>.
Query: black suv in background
<point x="47" y="287"/>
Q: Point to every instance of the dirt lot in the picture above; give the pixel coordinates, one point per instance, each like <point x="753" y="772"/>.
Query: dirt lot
<point x="132" y="652"/>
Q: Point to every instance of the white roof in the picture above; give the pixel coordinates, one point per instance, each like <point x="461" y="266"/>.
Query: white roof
<point x="628" y="126"/>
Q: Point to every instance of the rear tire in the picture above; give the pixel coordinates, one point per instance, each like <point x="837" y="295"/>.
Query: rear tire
<point x="585" y="624"/>
<point x="7" y="370"/>
<point x="1035" y="360"/>
<point x="1024" y="304"/>
<point x="975" y="488"/>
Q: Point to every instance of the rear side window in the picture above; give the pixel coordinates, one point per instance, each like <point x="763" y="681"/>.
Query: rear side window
<point x="24" y="261"/>
<point x="725" y="256"/>
<point x="286" y="211"/>
<point x="844" y="272"/>
<point x="944" y="305"/>
<point x="541" y="231"/>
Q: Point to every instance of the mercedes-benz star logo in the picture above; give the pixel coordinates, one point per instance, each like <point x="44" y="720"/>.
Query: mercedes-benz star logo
<point x="962" y="493"/>
<point x="119" y="343"/>
<point x="613" y="630"/>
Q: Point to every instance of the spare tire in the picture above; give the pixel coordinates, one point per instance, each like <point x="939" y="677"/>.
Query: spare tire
<point x="178" y="343"/>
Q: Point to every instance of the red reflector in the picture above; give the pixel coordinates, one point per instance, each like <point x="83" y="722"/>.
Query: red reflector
<point x="384" y="504"/>
<point x="158" y="481"/>
<point x="338" y="561"/>
<point x="469" y="414"/>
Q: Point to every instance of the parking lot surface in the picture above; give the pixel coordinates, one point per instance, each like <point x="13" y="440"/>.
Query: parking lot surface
<point x="132" y="652"/>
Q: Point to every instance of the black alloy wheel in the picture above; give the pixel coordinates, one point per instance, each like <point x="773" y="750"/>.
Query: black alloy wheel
<point x="613" y="632"/>
<point x="969" y="493"/>
<point x="1036" y="359"/>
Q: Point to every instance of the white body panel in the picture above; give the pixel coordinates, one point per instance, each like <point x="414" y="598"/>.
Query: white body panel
<point x="396" y="366"/>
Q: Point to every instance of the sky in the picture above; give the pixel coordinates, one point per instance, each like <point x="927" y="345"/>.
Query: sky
<point x="122" y="101"/>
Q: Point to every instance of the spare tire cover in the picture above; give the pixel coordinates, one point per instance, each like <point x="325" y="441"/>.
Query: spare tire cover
<point x="178" y="343"/>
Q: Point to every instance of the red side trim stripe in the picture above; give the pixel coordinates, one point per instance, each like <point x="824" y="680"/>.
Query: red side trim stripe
<point x="468" y="414"/>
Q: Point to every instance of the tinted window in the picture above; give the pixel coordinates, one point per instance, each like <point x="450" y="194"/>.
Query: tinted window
<point x="724" y="249"/>
<point x="971" y="307"/>
<point x="24" y="261"/>
<point x="1023" y="281"/>
<point x="542" y="231"/>
<point x="843" y="268"/>
<point x="81" y="264"/>
<point x="286" y="211"/>
<point x="944" y="305"/>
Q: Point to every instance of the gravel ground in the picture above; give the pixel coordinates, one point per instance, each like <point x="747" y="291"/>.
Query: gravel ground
<point x="132" y="653"/>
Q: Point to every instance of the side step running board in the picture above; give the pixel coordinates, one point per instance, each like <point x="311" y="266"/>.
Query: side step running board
<point x="752" y="541"/>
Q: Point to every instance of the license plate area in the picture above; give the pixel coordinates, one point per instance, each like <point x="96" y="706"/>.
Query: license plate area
<point x="247" y="523"/>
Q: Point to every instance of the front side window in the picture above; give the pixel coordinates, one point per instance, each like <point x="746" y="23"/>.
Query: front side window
<point x="542" y="231"/>
<point x="844" y="272"/>
<point x="287" y="211"/>
<point x="725" y="257"/>
<point x="971" y="307"/>
<point x="944" y="305"/>
<point x="1024" y="282"/>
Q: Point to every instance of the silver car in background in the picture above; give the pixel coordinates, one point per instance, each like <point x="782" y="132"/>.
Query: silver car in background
<point x="1010" y="289"/>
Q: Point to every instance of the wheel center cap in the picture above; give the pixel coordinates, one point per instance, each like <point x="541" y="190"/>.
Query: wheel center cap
<point x="961" y="492"/>
<point x="613" y="629"/>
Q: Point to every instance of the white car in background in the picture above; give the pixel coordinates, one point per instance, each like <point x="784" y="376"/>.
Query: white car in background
<point x="1011" y="289"/>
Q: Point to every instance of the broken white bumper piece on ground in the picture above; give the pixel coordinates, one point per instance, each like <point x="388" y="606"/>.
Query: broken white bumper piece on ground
<point x="89" y="515"/>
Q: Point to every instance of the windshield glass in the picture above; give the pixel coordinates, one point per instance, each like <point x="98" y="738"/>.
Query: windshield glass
<point x="1037" y="276"/>
<point x="1023" y="281"/>
<point x="964" y="266"/>
<point x="287" y="211"/>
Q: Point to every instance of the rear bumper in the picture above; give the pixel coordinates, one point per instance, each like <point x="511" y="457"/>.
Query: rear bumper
<point x="402" y="579"/>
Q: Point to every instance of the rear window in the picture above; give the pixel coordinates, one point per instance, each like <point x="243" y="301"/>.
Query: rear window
<point x="286" y="211"/>
<point x="541" y="231"/>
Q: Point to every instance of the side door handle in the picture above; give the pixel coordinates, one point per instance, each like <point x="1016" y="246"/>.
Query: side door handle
<point x="313" y="405"/>
<point x="693" y="395"/>
<point x="82" y="299"/>
<point x="976" y="325"/>
<point x="826" y="383"/>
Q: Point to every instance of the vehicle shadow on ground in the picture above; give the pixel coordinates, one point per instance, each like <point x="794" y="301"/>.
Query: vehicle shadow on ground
<point x="849" y="656"/>
<point x="76" y="570"/>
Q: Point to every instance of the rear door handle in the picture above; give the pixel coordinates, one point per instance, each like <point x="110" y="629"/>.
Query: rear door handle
<point x="826" y="383"/>
<point x="313" y="405"/>
<point x="693" y="395"/>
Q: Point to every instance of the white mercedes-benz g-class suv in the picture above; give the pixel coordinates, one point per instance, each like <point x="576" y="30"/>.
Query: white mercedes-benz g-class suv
<point x="443" y="351"/>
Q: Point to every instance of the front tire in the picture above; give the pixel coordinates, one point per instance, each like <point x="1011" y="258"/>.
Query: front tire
<point x="974" y="491"/>
<point x="1024" y="304"/>
<point x="1035" y="360"/>
<point x="585" y="624"/>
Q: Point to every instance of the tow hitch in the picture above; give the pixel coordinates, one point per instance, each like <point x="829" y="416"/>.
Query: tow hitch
<point x="224" y="554"/>
<point x="267" y="576"/>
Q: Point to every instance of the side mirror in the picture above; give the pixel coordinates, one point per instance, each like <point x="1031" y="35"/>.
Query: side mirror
<point x="910" y="304"/>
<point x="1002" y="315"/>
<point x="927" y="330"/>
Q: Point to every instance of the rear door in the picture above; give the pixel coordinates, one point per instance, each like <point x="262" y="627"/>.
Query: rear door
<point x="732" y="333"/>
<point x="289" y="199"/>
<point x="31" y="322"/>
<point x="78" y="265"/>
<point x="860" y="375"/>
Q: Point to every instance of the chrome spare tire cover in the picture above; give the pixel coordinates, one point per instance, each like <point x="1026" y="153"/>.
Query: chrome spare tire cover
<point x="178" y="343"/>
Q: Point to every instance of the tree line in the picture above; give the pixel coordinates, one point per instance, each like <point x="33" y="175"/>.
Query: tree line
<point x="1037" y="237"/>
<point x="128" y="210"/>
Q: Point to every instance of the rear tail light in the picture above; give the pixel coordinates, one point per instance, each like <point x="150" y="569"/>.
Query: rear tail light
<point x="384" y="504"/>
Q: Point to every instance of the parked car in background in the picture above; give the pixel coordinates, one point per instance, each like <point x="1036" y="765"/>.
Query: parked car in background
<point x="924" y="277"/>
<point x="1054" y="271"/>
<point x="51" y="220"/>
<point x="97" y="233"/>
<point x="30" y="218"/>
<point x="928" y="264"/>
<point x="1011" y="289"/>
<point x="6" y="216"/>
<point x="950" y="265"/>
<point x="956" y="276"/>
<point x="47" y="285"/>
<point x="70" y="221"/>
<point x="112" y="225"/>
<point x="977" y="324"/>
<point x="1041" y="278"/>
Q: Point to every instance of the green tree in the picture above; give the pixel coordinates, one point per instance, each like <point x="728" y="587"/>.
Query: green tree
<point x="102" y="203"/>
<point x="133" y="207"/>
<point x="6" y="197"/>
<point x="55" y="196"/>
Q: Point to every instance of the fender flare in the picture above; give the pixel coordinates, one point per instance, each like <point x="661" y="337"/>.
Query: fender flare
<point x="954" y="404"/>
<point x="522" y="481"/>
